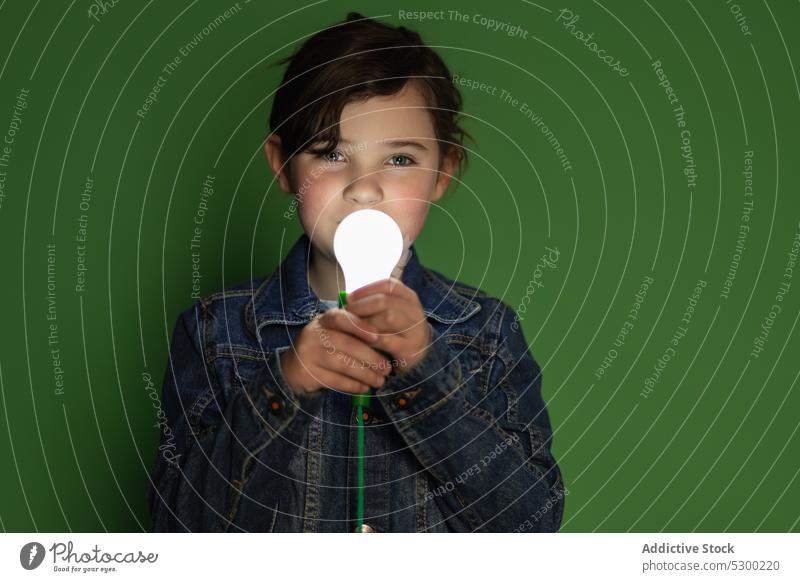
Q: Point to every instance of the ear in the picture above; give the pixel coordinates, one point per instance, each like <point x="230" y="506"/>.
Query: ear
<point x="277" y="162"/>
<point x="446" y="170"/>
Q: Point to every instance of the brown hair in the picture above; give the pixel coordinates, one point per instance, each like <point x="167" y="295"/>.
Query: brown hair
<point x="354" y="60"/>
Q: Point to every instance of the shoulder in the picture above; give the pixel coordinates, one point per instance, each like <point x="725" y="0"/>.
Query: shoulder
<point x="226" y="310"/>
<point x="233" y="295"/>
<point x="498" y="326"/>
<point x="493" y="332"/>
<point x="495" y="316"/>
<point x="243" y="290"/>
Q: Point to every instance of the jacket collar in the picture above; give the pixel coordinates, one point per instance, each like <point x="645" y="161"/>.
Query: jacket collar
<point x="286" y="298"/>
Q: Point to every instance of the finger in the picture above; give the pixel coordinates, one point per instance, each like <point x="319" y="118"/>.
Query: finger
<point x="397" y="272"/>
<point x="346" y="364"/>
<point x="379" y="303"/>
<point x="389" y="317"/>
<point x="356" y="351"/>
<point x="350" y="323"/>
<point x="391" y="343"/>
<point x="390" y="286"/>
<point x="391" y="322"/>
<point x="341" y="382"/>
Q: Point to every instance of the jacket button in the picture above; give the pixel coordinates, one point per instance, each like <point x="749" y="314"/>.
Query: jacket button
<point x="401" y="401"/>
<point x="275" y="404"/>
<point x="365" y="528"/>
<point x="366" y="416"/>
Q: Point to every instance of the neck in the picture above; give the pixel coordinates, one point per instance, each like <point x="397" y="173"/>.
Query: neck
<point x="325" y="276"/>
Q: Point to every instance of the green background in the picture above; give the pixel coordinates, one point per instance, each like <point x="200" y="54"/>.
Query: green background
<point x="713" y="447"/>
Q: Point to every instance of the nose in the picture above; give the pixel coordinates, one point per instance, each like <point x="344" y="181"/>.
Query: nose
<point x="364" y="191"/>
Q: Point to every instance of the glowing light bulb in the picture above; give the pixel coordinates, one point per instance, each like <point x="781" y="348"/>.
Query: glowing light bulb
<point x="368" y="245"/>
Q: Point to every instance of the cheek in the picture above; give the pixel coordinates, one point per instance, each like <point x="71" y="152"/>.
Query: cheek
<point x="409" y="202"/>
<point x="410" y="215"/>
<point x="317" y="199"/>
<point x="414" y="186"/>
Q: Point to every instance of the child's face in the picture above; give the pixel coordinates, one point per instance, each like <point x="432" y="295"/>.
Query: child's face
<point x="388" y="158"/>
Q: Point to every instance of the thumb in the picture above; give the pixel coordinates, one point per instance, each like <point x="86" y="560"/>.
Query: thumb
<point x="397" y="273"/>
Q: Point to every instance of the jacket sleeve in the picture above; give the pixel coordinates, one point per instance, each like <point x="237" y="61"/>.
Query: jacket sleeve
<point x="211" y="433"/>
<point x="486" y="445"/>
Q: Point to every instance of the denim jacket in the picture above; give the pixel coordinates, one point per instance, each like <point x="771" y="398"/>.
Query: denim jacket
<point x="460" y="442"/>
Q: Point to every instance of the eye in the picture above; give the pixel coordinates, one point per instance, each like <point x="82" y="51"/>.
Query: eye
<point x="333" y="156"/>
<point x="401" y="160"/>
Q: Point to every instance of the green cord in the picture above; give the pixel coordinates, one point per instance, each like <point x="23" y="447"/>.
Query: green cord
<point x="360" y="491"/>
<point x="359" y="401"/>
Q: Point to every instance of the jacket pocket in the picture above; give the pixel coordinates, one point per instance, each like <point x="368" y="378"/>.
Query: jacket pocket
<point x="248" y="511"/>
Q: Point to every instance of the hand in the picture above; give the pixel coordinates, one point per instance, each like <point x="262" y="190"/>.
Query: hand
<point x="397" y="272"/>
<point x="395" y="310"/>
<point x="333" y="351"/>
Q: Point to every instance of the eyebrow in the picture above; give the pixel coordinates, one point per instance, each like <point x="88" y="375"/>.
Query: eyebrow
<point x="400" y="143"/>
<point x="394" y="143"/>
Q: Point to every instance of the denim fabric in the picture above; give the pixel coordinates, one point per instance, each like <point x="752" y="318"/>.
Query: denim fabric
<point x="460" y="442"/>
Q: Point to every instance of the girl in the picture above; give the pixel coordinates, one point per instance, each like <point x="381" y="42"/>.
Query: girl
<point x="260" y="432"/>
